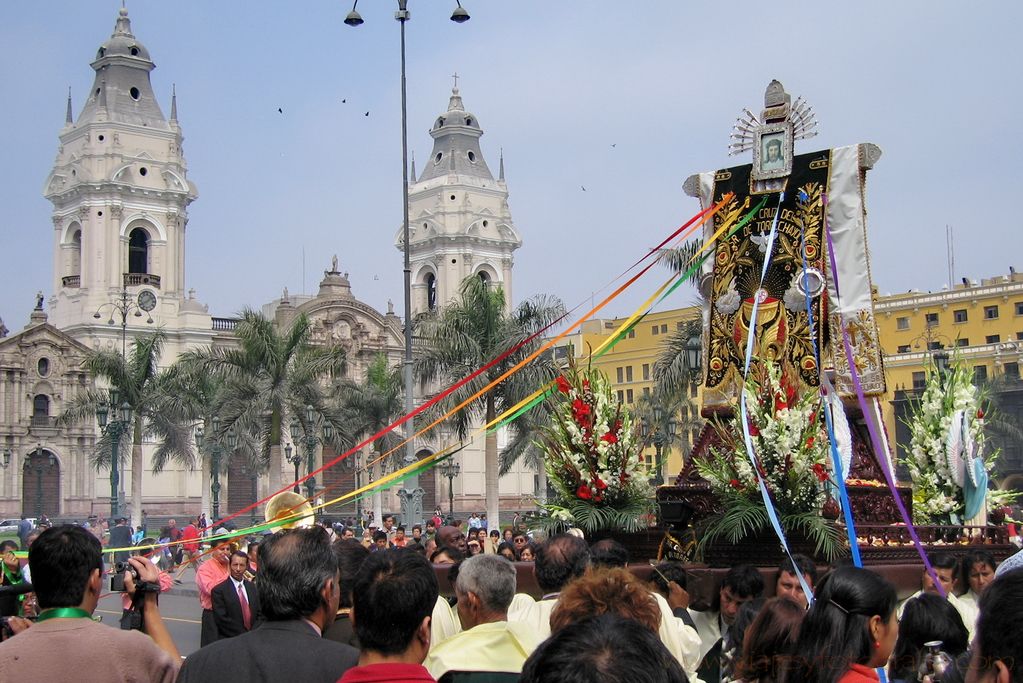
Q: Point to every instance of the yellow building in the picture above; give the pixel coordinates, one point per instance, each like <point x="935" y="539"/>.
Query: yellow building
<point x="982" y="322"/>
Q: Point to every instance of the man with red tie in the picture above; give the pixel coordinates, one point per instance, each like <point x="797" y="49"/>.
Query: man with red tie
<point x="235" y="600"/>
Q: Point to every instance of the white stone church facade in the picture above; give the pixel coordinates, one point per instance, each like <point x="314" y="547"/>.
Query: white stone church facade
<point x="120" y="191"/>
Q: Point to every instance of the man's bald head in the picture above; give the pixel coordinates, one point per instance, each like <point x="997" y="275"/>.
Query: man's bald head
<point x="558" y="560"/>
<point x="451" y="537"/>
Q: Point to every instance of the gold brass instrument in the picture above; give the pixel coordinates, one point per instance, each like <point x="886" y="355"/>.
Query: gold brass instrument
<point x="289" y="506"/>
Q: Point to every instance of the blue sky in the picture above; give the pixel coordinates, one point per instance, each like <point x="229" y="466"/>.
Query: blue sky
<point x="555" y="84"/>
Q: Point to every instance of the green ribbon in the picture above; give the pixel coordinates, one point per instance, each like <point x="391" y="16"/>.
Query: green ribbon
<point x="63" y="613"/>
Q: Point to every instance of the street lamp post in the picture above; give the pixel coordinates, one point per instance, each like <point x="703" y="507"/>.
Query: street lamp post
<point x="311" y="440"/>
<point x="293" y="456"/>
<point x="411" y="494"/>
<point x="115" y="429"/>
<point x="39" y="466"/>
<point x="450" y="470"/>
<point x="216" y="453"/>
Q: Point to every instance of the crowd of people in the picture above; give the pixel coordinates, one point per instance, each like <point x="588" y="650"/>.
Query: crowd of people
<point x="309" y="604"/>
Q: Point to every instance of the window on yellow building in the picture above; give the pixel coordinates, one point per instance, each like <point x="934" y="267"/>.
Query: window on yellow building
<point x="1019" y="336"/>
<point x="902" y="323"/>
<point x="664" y="328"/>
<point x="628" y="396"/>
<point x="628" y="373"/>
<point x="979" y="374"/>
<point x="960" y="316"/>
<point x="646" y="391"/>
<point x="963" y="341"/>
<point x="1011" y="370"/>
<point x="632" y="333"/>
<point x="919" y="380"/>
<point x="993" y="338"/>
<point x="621" y="396"/>
<point x="991" y="312"/>
<point x="932" y="319"/>
<point x="653" y="329"/>
<point x="935" y="345"/>
<point x="903" y="348"/>
<point x="646" y="370"/>
<point x="1019" y="308"/>
<point x="619" y="375"/>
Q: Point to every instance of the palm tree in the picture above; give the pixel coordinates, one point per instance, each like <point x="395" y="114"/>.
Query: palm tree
<point x="470" y="332"/>
<point x="136" y="381"/>
<point x="270" y="376"/>
<point x="369" y="406"/>
<point x="678" y="362"/>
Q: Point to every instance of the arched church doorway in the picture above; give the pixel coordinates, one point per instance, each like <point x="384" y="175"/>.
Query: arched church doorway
<point x="40" y="484"/>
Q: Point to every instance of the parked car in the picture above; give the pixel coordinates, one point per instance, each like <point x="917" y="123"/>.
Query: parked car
<point x="10" y="526"/>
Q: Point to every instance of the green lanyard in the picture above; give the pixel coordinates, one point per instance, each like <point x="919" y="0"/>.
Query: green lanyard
<point x="63" y="613"/>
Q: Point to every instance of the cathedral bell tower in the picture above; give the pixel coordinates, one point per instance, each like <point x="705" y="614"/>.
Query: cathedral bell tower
<point x="459" y="221"/>
<point x="120" y="195"/>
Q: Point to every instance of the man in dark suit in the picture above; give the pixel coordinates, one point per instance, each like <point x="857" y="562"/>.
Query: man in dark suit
<point x="120" y="537"/>
<point x="235" y="600"/>
<point x="298" y="591"/>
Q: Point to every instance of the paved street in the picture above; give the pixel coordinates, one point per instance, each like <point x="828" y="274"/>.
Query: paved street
<point x="179" y="608"/>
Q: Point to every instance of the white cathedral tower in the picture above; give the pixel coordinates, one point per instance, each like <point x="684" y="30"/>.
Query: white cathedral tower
<point x="459" y="221"/>
<point x="120" y="195"/>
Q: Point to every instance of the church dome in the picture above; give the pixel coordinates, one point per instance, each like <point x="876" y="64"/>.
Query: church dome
<point x="456" y="147"/>
<point x="122" y="43"/>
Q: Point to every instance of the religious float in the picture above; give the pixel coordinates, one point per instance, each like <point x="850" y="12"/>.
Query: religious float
<point x="794" y="456"/>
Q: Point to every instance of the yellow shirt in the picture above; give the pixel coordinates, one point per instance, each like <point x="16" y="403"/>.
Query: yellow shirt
<point x="499" y="646"/>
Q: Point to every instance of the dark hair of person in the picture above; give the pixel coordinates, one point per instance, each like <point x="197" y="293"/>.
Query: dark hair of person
<point x="454" y="553"/>
<point x="835" y="632"/>
<point x="558" y="560"/>
<point x="966" y="565"/>
<point x="770" y="640"/>
<point x="605" y="590"/>
<point x="494" y="533"/>
<point x="350" y="554"/>
<point x="519" y="532"/>
<point x="668" y="571"/>
<point x="925" y="618"/>
<point x="803" y="565"/>
<point x="394" y="591"/>
<point x="743" y="580"/>
<point x="240" y="553"/>
<point x="999" y="633"/>
<point x="746" y="615"/>
<point x="605" y="649"/>
<point x="61" y="560"/>
<point x="943" y="561"/>
<point x="294" y="564"/>
<point x="9" y="544"/>
<point x="379" y="536"/>
<point x="608" y="552"/>
<point x="505" y="545"/>
<point x="417" y="526"/>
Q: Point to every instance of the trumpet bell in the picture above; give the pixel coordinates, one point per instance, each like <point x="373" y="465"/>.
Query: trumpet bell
<point x="293" y="510"/>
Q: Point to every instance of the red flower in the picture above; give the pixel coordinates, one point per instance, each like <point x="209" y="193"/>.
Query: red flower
<point x="753" y="430"/>
<point x="980" y="414"/>
<point x="563" y="385"/>
<point x="735" y="484"/>
<point x="609" y="437"/>
<point x="599" y="484"/>
<point x="583" y="492"/>
<point x="820" y="472"/>
<point x="809" y="442"/>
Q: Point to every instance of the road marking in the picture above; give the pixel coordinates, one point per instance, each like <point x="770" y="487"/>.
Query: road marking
<point x="187" y="621"/>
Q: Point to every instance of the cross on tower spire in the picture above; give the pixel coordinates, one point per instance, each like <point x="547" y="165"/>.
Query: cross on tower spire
<point x="455" y="76"/>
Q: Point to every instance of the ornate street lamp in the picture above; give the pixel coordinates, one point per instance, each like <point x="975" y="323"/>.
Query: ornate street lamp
<point x="115" y="429"/>
<point x="450" y="469"/>
<point x="216" y="453"/>
<point x="411" y="494"/>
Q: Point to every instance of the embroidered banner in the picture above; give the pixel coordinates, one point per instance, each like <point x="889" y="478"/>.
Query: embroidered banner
<point x="782" y="328"/>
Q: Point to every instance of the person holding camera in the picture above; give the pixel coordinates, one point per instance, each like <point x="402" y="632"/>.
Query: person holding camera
<point x="65" y="642"/>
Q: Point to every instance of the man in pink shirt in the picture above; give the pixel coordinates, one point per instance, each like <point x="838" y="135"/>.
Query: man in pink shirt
<point x="209" y="574"/>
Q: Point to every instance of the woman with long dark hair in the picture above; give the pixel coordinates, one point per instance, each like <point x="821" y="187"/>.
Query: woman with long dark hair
<point x="770" y="641"/>
<point x="849" y="631"/>
<point x="926" y="618"/>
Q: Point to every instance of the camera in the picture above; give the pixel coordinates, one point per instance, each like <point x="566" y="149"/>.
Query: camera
<point x="117" y="580"/>
<point x="5" y="629"/>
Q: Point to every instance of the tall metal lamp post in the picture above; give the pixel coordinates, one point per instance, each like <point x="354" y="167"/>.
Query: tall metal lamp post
<point x="40" y="465"/>
<point x="450" y="469"/>
<point x="411" y="494"/>
<point x="216" y="453"/>
<point x="293" y="456"/>
<point x="115" y="429"/>
<point x="311" y="439"/>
